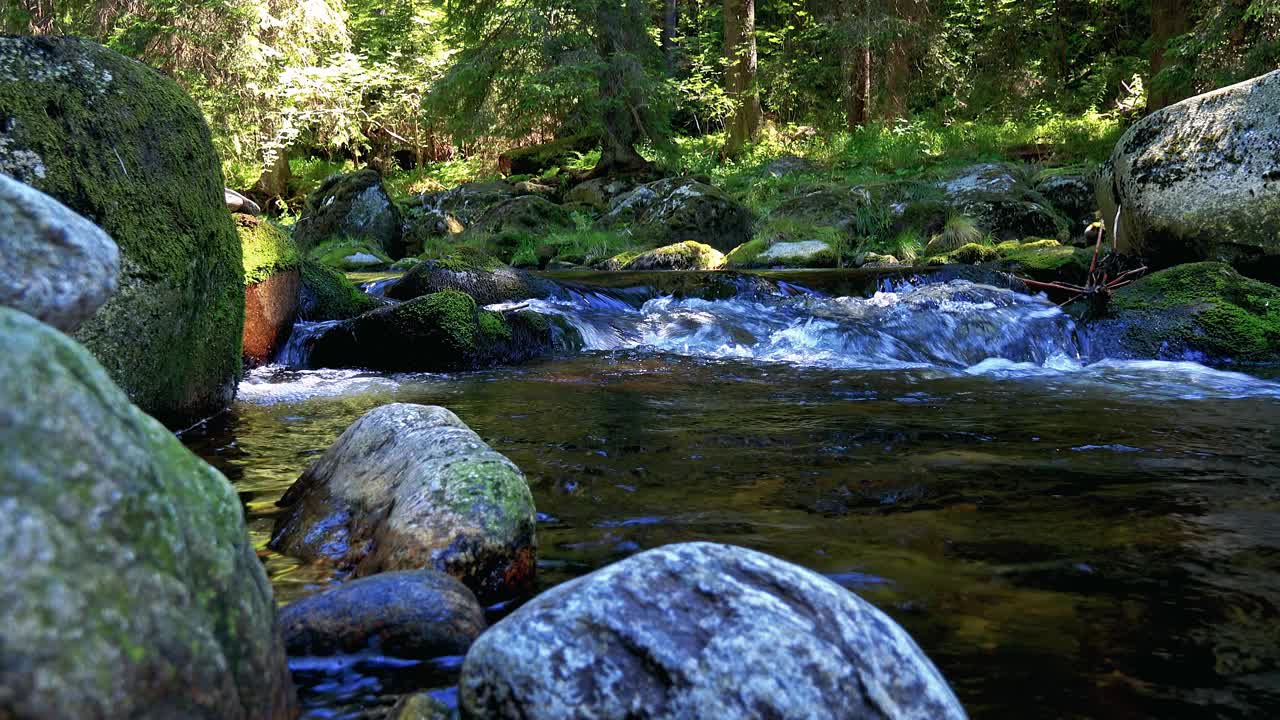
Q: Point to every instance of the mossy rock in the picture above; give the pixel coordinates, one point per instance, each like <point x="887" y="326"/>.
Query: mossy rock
<point x="1200" y="311"/>
<point x="265" y="248"/>
<point x="1004" y="202"/>
<point x="473" y="272"/>
<point x="328" y="295"/>
<point x="834" y="207"/>
<point x="1046" y="260"/>
<point x="618" y="262"/>
<point x="688" y="255"/>
<point x="350" y="255"/>
<point x="353" y="206"/>
<point x="440" y="332"/>
<point x="678" y="209"/>
<point x="130" y="586"/>
<point x="536" y="159"/>
<point x="746" y="254"/>
<point x="527" y="214"/>
<point x="126" y="148"/>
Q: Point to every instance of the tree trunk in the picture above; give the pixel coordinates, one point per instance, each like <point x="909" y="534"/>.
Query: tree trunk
<point x="1169" y="19"/>
<point x="740" y="77"/>
<point x="670" y="27"/>
<point x="855" y="66"/>
<point x="622" y="128"/>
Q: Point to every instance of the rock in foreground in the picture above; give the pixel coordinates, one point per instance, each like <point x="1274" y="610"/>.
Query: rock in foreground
<point x="54" y="265"/>
<point x="410" y="614"/>
<point x="408" y="487"/>
<point x="130" y="588"/>
<point x="701" y="630"/>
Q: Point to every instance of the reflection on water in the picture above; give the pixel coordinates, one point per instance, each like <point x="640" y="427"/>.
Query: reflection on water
<point x="1063" y="540"/>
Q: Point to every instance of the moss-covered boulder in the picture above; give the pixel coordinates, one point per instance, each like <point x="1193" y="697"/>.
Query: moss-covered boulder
<point x="536" y="159"/>
<point x="54" y="265"/>
<point x="126" y="148"/>
<point x="1004" y="202"/>
<point x="130" y="587"/>
<point x="832" y="207"/>
<point x="1200" y="311"/>
<point x="408" y="487"/>
<point x="1045" y="260"/>
<point x="678" y="209"/>
<point x="1200" y="180"/>
<point x="353" y="206"/>
<point x="688" y="255"/>
<point x="272" y="280"/>
<point x="407" y="614"/>
<point x="350" y="255"/>
<point x="441" y="332"/>
<point x="599" y="193"/>
<point x="327" y="294"/>
<point x="527" y="214"/>
<point x="473" y="272"/>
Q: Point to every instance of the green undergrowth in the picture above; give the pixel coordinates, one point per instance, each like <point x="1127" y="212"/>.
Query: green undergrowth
<point x="335" y="254"/>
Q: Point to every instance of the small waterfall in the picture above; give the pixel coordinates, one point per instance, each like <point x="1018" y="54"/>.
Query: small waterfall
<point x="296" y="351"/>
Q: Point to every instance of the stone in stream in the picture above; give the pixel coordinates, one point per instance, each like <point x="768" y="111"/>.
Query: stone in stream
<point x="353" y="206"/>
<point x="701" y="630"/>
<point x="126" y="148"/>
<point x="1200" y="180"/>
<point x="408" y="487"/>
<point x="410" y="614"/>
<point x="471" y="271"/>
<point x="327" y="294"/>
<point x="271" y="283"/>
<point x="54" y="265"/>
<point x="130" y="587"/>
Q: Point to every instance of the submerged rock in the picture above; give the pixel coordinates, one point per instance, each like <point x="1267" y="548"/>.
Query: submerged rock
<point x="701" y="630"/>
<point x="688" y="255"/>
<point x="410" y="614"/>
<point x="54" y="265"/>
<point x="130" y="587"/>
<point x="473" y="272"/>
<point x="327" y="294"/>
<point x="1200" y="180"/>
<point x="1200" y="311"/>
<point x="354" y="206"/>
<point x="678" y="209"/>
<point x="126" y="148"/>
<point x="272" y="281"/>
<point x="408" y="487"/>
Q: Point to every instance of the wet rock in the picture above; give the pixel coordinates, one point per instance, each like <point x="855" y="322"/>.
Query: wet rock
<point x="238" y="203"/>
<point x="127" y="149"/>
<point x="354" y="206"/>
<point x="410" y="614"/>
<point x="687" y="255"/>
<point x="1200" y="180"/>
<point x="1199" y="311"/>
<point x="441" y="332"/>
<point x="327" y="294"/>
<point x="272" y="281"/>
<point x="678" y="209"/>
<point x="408" y="487"/>
<point x="1004" y="203"/>
<point x="54" y="265"/>
<point x="466" y="270"/>
<point x="701" y="630"/>
<point x="130" y="587"/>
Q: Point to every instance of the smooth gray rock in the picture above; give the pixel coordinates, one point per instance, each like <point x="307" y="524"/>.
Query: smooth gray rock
<point x="409" y="614"/>
<point x="238" y="203"/>
<point x="129" y="587"/>
<point x="701" y="630"/>
<point x="1200" y="180"/>
<point x="54" y="265"/>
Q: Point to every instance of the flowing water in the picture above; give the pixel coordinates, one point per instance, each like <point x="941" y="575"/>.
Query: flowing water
<point x="1064" y="535"/>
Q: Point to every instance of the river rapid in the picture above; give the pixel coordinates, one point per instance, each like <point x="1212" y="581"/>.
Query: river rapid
<point x="1064" y="535"/>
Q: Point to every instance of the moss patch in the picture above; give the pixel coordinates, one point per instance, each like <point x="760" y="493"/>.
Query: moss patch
<point x="688" y="255"/>
<point x="265" y="248"/>
<point x="328" y="295"/>
<point x="348" y="254"/>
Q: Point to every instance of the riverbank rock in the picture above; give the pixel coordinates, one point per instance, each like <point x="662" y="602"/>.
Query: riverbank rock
<point x="441" y="332"/>
<point x="130" y="587"/>
<point x="688" y="255"/>
<point x="599" y="193"/>
<point x="416" y="614"/>
<point x="54" y="265"/>
<point x="327" y="294"/>
<point x="1199" y="311"/>
<point x="1070" y="192"/>
<point x="828" y="207"/>
<point x="509" y="222"/>
<point x="355" y="206"/>
<point x="1200" y="180"/>
<point x="408" y="487"/>
<point x="350" y="255"/>
<point x="701" y="630"/>
<point x="127" y="149"/>
<point x="789" y="165"/>
<point x="271" y="284"/>
<point x="1004" y="204"/>
<point x="535" y="159"/>
<point x="473" y="272"/>
<point x="678" y="209"/>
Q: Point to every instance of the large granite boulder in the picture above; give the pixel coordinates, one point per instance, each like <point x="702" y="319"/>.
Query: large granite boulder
<point x="126" y="148"/>
<point x="409" y="614"/>
<point x="677" y="209"/>
<point x="353" y="206"/>
<point x="272" y="279"/>
<point x="473" y="272"/>
<point x="1200" y="180"/>
<point x="701" y="630"/>
<point x="440" y="332"/>
<point x="54" y="265"/>
<point x="130" y="587"/>
<point x="408" y="487"/>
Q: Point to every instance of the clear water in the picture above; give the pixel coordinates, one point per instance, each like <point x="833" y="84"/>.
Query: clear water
<point x="1065" y="537"/>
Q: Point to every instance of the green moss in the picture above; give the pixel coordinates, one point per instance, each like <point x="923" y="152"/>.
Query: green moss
<point x="746" y="254"/>
<point x="128" y="149"/>
<point x="266" y="249"/>
<point x="328" y="295"/>
<point x="334" y="253"/>
<point x="1047" y="257"/>
<point x="451" y="317"/>
<point x="493" y="327"/>
<point x="688" y="255"/>
<point x="464" y="258"/>
<point x="1206" y="307"/>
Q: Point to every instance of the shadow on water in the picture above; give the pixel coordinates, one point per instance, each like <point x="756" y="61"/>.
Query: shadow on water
<point x="1094" y="541"/>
